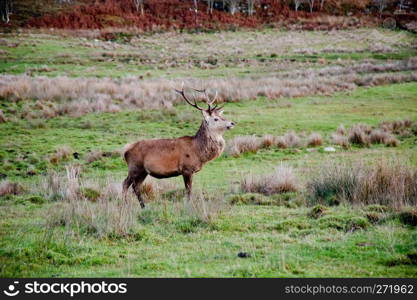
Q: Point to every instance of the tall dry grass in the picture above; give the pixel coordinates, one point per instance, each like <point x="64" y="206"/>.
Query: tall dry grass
<point x="251" y="144"/>
<point x="282" y="180"/>
<point x="77" y="96"/>
<point x="83" y="207"/>
<point x="10" y="188"/>
<point x="98" y="208"/>
<point x="243" y="144"/>
<point x="364" y="135"/>
<point x="390" y="183"/>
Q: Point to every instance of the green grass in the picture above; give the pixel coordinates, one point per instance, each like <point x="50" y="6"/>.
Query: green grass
<point x="108" y="132"/>
<point x="281" y="242"/>
<point x="144" y="55"/>
<point x="281" y="235"/>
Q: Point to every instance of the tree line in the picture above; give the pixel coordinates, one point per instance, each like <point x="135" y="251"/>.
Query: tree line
<point x="250" y="7"/>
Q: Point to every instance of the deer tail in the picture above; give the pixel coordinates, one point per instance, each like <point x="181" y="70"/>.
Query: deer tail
<point x="126" y="149"/>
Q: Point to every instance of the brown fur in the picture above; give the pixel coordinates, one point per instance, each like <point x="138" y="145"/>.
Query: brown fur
<point x="164" y="158"/>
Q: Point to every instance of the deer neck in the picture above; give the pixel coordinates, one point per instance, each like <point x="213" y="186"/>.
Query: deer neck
<point x="209" y="144"/>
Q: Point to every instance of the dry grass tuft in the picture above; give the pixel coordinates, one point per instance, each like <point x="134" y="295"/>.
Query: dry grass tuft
<point x="10" y="188"/>
<point x="340" y="140"/>
<point x="2" y="117"/>
<point x="148" y="191"/>
<point x="103" y="219"/>
<point x="281" y="142"/>
<point x="268" y="141"/>
<point x="386" y="183"/>
<point x="392" y="141"/>
<point x="378" y="136"/>
<point x="88" y="207"/>
<point x="281" y="181"/>
<point x="61" y="153"/>
<point x="243" y="144"/>
<point x="402" y="128"/>
<point x="358" y="135"/>
<point x="292" y="140"/>
<point x="93" y="156"/>
<point x="314" y="140"/>
<point x="204" y="207"/>
<point x="341" y="130"/>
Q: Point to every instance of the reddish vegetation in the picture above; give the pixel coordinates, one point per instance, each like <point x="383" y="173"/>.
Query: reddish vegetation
<point x="159" y="15"/>
<point x="177" y="15"/>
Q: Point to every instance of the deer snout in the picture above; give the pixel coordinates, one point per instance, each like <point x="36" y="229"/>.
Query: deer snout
<point x="231" y="125"/>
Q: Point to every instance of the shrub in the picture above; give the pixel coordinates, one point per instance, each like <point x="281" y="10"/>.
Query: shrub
<point x="281" y="181"/>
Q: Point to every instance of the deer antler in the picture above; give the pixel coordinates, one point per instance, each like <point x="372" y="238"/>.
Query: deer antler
<point x="185" y="98"/>
<point x="209" y="103"/>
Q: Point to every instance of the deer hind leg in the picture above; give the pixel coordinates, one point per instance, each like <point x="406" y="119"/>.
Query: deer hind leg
<point x="188" y="182"/>
<point x="126" y="184"/>
<point x="137" y="182"/>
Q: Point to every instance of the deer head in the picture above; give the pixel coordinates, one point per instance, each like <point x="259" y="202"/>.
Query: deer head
<point x="213" y="114"/>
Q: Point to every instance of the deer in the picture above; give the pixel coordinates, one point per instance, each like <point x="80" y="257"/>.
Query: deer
<point x="165" y="158"/>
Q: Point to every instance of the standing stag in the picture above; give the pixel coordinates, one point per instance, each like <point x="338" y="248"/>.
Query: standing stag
<point x="164" y="158"/>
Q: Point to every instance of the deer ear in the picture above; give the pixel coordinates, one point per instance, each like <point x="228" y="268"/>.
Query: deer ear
<point x="220" y="112"/>
<point x="206" y="114"/>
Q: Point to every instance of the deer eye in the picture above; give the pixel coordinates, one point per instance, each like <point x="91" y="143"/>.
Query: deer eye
<point x="215" y="119"/>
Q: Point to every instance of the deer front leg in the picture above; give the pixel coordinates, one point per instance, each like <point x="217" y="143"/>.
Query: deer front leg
<point x="188" y="181"/>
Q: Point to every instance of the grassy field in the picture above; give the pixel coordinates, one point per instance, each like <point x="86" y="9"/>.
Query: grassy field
<point x="54" y="223"/>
